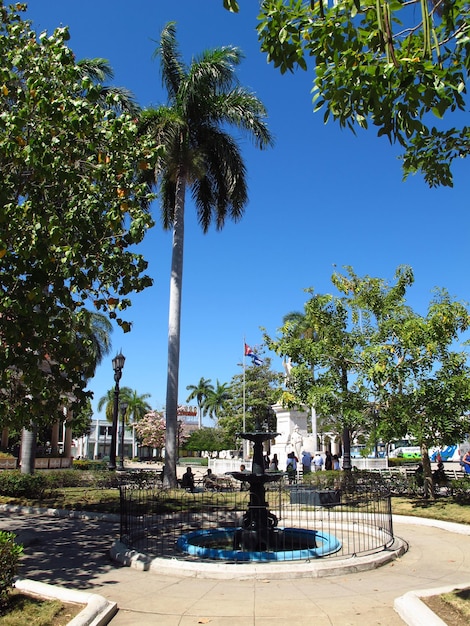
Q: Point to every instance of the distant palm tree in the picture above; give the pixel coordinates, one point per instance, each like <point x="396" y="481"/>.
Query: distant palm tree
<point x="107" y="401"/>
<point x="200" y="393"/>
<point x="216" y="400"/>
<point x="137" y="406"/>
<point x="204" y="100"/>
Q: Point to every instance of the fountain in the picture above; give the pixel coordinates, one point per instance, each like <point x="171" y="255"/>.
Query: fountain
<point x="258" y="537"/>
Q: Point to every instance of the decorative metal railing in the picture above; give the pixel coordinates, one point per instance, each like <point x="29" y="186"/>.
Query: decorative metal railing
<point x="353" y="507"/>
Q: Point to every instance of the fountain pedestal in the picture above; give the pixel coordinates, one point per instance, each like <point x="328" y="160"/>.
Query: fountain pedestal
<point x="257" y="532"/>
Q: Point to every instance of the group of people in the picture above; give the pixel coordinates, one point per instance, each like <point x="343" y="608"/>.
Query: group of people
<point x="271" y="465"/>
<point x="330" y="462"/>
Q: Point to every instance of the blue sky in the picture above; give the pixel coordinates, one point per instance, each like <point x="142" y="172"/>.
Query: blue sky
<point x="321" y="199"/>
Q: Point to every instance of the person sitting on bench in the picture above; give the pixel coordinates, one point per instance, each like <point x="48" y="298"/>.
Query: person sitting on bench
<point x="187" y="482"/>
<point x="209" y="480"/>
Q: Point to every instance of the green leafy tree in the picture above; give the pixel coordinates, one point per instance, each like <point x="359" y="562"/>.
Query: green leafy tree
<point x="92" y="342"/>
<point x="71" y="209"/>
<point x="200" y="393"/>
<point x="81" y="420"/>
<point x="209" y="439"/>
<point x="137" y="405"/>
<point x="400" y="66"/>
<point x="199" y="153"/>
<point x="420" y="383"/>
<point x="325" y="363"/>
<point x="252" y="395"/>
<point x="404" y="375"/>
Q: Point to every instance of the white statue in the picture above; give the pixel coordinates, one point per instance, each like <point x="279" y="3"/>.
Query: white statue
<point x="296" y="441"/>
<point x="287" y="365"/>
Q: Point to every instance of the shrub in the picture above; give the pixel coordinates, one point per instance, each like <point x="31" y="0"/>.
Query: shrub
<point x="328" y="479"/>
<point x="461" y="490"/>
<point x="9" y="555"/>
<point x="14" y="483"/>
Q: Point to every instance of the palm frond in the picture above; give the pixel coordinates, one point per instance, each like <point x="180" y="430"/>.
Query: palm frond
<point x="172" y="65"/>
<point x="97" y="69"/>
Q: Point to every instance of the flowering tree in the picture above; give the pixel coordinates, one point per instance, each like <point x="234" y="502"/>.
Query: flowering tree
<point x="150" y="429"/>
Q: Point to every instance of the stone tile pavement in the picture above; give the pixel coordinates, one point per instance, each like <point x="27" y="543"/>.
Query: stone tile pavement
<point x="75" y="553"/>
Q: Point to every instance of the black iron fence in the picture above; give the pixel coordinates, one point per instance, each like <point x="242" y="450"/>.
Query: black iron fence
<point x="354" y="508"/>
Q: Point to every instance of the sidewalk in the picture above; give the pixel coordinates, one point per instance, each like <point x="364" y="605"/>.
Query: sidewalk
<point x="75" y="553"/>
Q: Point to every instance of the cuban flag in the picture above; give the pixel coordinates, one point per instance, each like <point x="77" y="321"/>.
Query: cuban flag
<point x="254" y="357"/>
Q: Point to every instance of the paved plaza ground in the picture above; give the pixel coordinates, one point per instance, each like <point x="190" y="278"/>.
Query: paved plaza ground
<point x="75" y="553"/>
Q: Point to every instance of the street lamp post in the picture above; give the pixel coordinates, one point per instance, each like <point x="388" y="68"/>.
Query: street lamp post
<point x="123" y="407"/>
<point x="118" y="364"/>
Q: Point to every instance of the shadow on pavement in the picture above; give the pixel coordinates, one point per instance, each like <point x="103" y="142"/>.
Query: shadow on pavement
<point x="63" y="551"/>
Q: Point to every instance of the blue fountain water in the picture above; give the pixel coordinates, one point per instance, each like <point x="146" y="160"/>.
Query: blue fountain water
<point x="203" y="544"/>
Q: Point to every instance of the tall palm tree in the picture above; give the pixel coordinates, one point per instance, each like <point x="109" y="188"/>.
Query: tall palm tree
<point x="204" y="100"/>
<point x="200" y="393"/>
<point x="216" y="400"/>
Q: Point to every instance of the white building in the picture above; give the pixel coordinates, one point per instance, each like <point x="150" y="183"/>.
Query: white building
<point x="97" y="444"/>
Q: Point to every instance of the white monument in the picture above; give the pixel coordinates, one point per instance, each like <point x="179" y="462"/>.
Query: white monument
<point x="291" y="424"/>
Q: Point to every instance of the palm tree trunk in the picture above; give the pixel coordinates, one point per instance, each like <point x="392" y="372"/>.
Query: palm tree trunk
<point x="28" y="449"/>
<point x="174" y="336"/>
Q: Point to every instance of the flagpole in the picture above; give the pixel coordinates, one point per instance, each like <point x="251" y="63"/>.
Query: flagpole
<point x="244" y="400"/>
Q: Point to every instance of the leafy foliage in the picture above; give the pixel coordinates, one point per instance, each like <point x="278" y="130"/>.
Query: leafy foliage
<point x="404" y="375"/>
<point x="210" y="439"/>
<point x="71" y="207"/>
<point x="14" y="483"/>
<point x="10" y="553"/>
<point x="400" y="66"/>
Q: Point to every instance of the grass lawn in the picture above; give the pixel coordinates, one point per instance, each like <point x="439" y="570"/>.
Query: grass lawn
<point x="442" y="509"/>
<point x="23" y="609"/>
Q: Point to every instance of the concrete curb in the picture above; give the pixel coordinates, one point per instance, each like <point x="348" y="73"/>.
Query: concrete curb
<point x="314" y="568"/>
<point x="415" y="613"/>
<point x="97" y="612"/>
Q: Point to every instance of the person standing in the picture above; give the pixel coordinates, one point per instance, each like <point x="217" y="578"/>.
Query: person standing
<point x="466" y="462"/>
<point x="306" y="462"/>
<point x="336" y="465"/>
<point x="318" y="462"/>
<point x="328" y="460"/>
<point x="274" y="465"/>
<point x="291" y="467"/>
